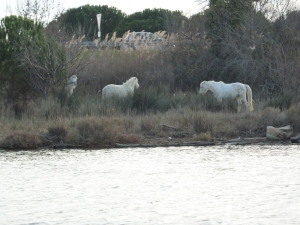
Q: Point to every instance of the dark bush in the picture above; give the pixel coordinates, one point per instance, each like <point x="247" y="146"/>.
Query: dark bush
<point x="281" y="101"/>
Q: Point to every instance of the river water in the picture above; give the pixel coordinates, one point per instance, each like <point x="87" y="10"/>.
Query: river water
<point x="174" y="185"/>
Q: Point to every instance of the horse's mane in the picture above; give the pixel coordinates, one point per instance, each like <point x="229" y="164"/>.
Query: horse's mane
<point x="130" y="80"/>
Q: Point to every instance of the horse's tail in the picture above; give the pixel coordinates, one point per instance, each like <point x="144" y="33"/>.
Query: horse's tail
<point x="249" y="96"/>
<point x="103" y="92"/>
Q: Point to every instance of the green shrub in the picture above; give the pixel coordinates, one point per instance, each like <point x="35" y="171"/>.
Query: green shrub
<point x="293" y="117"/>
<point x="210" y="103"/>
<point x="156" y="99"/>
<point x="281" y="101"/>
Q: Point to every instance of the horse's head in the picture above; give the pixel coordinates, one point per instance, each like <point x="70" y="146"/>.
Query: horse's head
<point x="131" y="84"/>
<point x="203" y="88"/>
<point x="73" y="80"/>
<point x="136" y="83"/>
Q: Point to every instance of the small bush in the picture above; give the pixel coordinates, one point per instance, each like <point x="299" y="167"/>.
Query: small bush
<point x="147" y="125"/>
<point x="21" y="140"/>
<point x="293" y="117"/>
<point x="203" y="137"/>
<point x="281" y="101"/>
<point x="158" y="99"/>
<point x="272" y="117"/>
<point x="95" y="131"/>
<point x="144" y="100"/>
<point x="90" y="131"/>
<point x="202" y="124"/>
<point x="210" y="103"/>
<point x="57" y="133"/>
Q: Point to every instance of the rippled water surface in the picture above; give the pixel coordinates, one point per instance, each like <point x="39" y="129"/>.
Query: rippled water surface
<point x="176" y="185"/>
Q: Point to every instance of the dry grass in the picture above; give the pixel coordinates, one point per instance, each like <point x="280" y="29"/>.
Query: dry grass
<point x="97" y="131"/>
<point x="293" y="116"/>
<point x="273" y="116"/>
<point x="21" y="139"/>
<point x="181" y="124"/>
<point x="203" y="123"/>
<point x="203" y="137"/>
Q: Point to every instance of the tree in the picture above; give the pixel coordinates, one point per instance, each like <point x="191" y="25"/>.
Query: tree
<point x="39" y="10"/>
<point x="45" y="64"/>
<point x="151" y="20"/>
<point x="253" y="42"/>
<point x="16" y="33"/>
<point x="83" y="21"/>
<point x="223" y="18"/>
<point x="49" y="65"/>
<point x="189" y="57"/>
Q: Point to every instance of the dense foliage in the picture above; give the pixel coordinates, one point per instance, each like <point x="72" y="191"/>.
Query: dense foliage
<point x="83" y="21"/>
<point x="151" y="20"/>
<point x="16" y="33"/>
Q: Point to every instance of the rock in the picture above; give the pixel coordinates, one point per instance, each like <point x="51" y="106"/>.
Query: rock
<point x="296" y="139"/>
<point x="280" y="133"/>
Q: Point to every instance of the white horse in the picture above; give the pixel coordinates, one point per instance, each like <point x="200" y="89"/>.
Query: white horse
<point x="71" y="85"/>
<point x="120" y="91"/>
<point x="236" y="91"/>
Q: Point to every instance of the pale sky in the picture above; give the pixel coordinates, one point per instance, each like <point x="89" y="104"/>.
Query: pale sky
<point x="188" y="7"/>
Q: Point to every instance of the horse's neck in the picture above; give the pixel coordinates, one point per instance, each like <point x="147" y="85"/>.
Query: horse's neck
<point x="129" y="86"/>
<point x="213" y="87"/>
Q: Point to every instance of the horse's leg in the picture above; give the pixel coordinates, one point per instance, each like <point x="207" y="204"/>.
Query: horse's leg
<point x="219" y="99"/>
<point x="239" y="101"/>
<point x="244" y="101"/>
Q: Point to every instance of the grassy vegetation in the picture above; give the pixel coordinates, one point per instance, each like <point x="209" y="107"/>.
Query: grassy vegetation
<point x="151" y="116"/>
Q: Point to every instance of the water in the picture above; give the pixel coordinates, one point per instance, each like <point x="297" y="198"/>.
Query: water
<point x="175" y="185"/>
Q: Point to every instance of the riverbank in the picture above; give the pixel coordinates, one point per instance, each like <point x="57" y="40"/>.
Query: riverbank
<point x="157" y="142"/>
<point x="175" y="127"/>
<point x="154" y="143"/>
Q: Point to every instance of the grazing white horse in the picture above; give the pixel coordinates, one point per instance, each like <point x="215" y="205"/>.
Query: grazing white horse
<point x="236" y="91"/>
<point x="120" y="91"/>
<point x="71" y="85"/>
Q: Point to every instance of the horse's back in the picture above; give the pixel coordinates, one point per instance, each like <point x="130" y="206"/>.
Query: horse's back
<point x="232" y="86"/>
<point x="113" y="90"/>
<point x="107" y="91"/>
<point x="120" y="91"/>
<point x="231" y="89"/>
